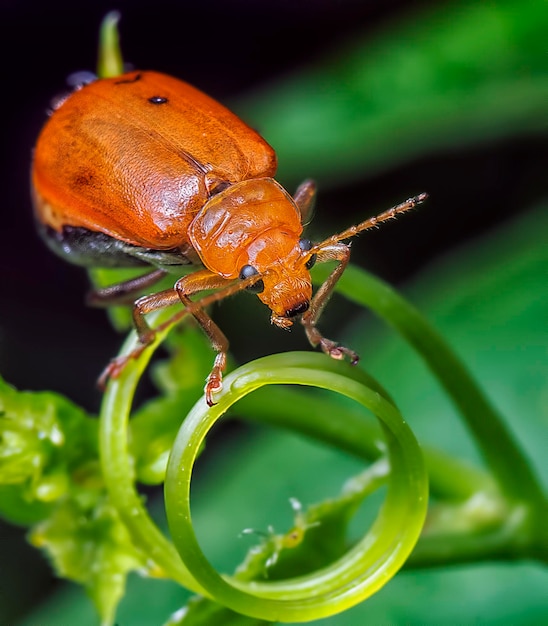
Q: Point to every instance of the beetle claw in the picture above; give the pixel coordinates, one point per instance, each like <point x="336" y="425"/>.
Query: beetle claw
<point x="111" y="371"/>
<point x="214" y="385"/>
<point x="338" y="352"/>
<point x="349" y="354"/>
<point x="116" y="367"/>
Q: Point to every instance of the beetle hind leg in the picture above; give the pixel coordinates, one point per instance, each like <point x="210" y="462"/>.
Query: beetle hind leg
<point x="123" y="293"/>
<point x="145" y="333"/>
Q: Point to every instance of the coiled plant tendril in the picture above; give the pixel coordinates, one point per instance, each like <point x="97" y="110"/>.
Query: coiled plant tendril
<point x="385" y="546"/>
<point x="369" y="564"/>
<point x="360" y="573"/>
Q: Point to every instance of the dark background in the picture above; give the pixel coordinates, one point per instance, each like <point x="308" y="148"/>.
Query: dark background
<point x="48" y="338"/>
<point x="226" y="49"/>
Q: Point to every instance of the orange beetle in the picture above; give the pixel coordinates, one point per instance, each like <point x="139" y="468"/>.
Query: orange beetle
<point x="145" y="170"/>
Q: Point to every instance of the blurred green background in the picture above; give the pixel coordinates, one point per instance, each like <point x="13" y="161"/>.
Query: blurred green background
<point x="377" y="101"/>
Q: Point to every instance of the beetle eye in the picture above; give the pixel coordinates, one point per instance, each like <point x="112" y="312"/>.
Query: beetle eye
<point x="305" y="245"/>
<point x="248" y="271"/>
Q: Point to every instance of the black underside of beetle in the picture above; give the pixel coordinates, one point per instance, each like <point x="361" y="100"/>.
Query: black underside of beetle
<point x="94" y="249"/>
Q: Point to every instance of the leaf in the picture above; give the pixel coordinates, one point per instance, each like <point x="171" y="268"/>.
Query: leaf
<point x="49" y="473"/>
<point x="92" y="547"/>
<point x="449" y="76"/>
<point x="45" y="443"/>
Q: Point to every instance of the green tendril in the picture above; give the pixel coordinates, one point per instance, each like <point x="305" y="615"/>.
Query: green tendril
<point x="110" y="62"/>
<point x="117" y="468"/>
<point x="502" y="454"/>
<point x="360" y="573"/>
<point x="369" y="564"/>
<point x="386" y="545"/>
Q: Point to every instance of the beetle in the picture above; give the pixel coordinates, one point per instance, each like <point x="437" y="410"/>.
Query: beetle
<point x="145" y="170"/>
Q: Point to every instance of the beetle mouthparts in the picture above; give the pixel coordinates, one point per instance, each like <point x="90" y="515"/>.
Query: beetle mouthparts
<point x="280" y="321"/>
<point x="302" y="307"/>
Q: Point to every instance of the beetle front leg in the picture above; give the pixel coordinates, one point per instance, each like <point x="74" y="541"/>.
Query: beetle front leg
<point x="198" y="282"/>
<point x="341" y="253"/>
<point x="147" y="304"/>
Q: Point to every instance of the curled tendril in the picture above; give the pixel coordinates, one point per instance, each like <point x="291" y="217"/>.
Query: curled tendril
<point x="360" y="573"/>
<point x="369" y="564"/>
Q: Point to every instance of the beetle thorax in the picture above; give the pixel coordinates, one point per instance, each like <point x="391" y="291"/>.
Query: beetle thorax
<point x="254" y="221"/>
<point x="256" y="225"/>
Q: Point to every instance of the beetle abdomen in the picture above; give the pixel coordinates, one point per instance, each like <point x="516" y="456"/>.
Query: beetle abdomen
<point x="87" y="248"/>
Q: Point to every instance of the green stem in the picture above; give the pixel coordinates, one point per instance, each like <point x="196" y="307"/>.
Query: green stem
<point x="117" y="468"/>
<point x="110" y="62"/>
<point x="506" y="538"/>
<point x="450" y="478"/>
<point x="499" y="449"/>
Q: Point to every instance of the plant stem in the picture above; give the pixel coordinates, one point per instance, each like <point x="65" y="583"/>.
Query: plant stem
<point x="499" y="449"/>
<point x="450" y="478"/>
<point x="507" y="538"/>
<point x="117" y="467"/>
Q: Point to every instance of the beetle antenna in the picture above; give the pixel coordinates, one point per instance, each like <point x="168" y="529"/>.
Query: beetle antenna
<point x="371" y="222"/>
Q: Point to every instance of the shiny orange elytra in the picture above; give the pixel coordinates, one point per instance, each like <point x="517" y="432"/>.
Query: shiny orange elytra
<point x="145" y="170"/>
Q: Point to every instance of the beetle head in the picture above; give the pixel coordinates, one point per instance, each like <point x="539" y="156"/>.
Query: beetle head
<point x="287" y="296"/>
<point x="281" y="265"/>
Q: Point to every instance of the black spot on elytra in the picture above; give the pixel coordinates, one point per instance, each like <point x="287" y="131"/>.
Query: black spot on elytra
<point x="127" y="81"/>
<point x="83" y="179"/>
<point x="158" y="100"/>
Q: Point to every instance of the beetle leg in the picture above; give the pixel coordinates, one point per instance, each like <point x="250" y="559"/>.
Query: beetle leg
<point x="192" y="283"/>
<point x="184" y="288"/>
<point x="305" y="198"/>
<point x="341" y="253"/>
<point x="161" y="300"/>
<point x="146" y="335"/>
<point x="146" y="305"/>
<point x="121" y="293"/>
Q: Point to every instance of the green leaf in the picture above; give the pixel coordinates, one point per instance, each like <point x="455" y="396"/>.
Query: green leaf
<point x="45" y="443"/>
<point x="90" y="546"/>
<point x="49" y="473"/>
<point x="449" y="76"/>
